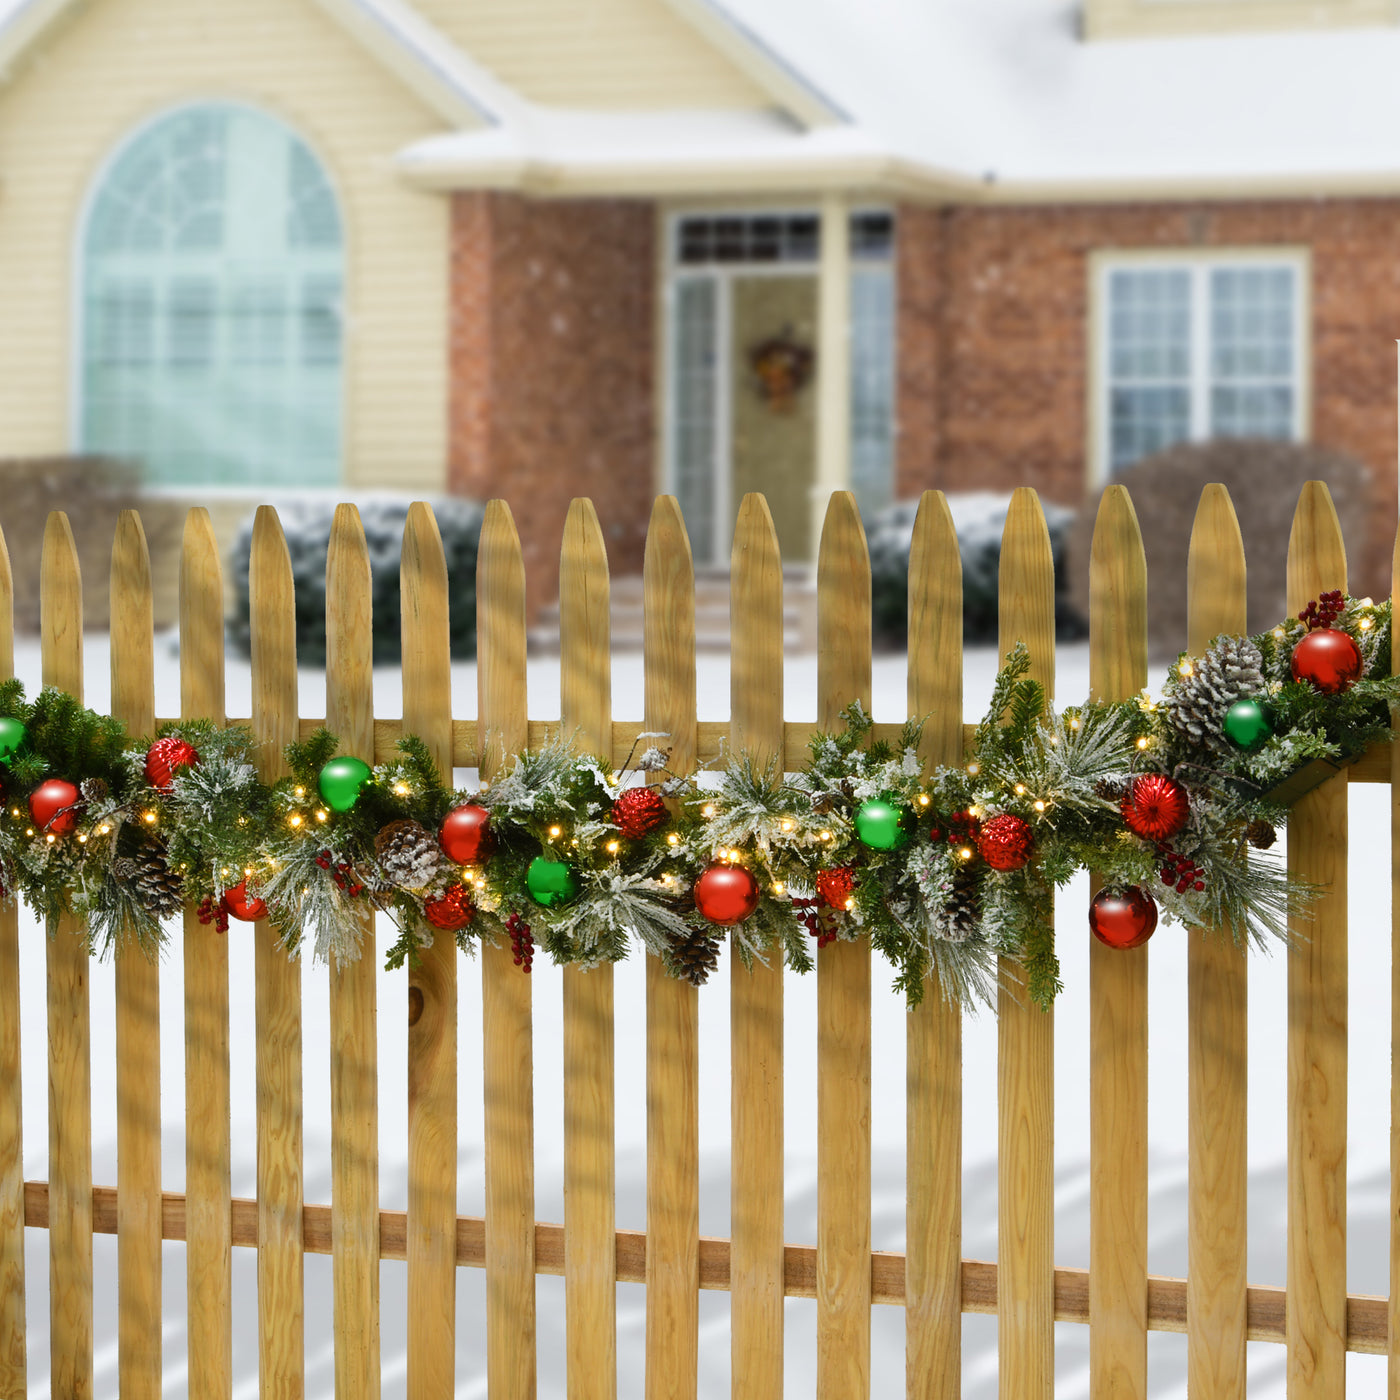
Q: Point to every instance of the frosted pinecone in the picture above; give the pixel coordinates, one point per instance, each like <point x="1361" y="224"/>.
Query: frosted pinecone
<point x="654" y="760"/>
<point x="1195" y="704"/>
<point x="94" y="789"/>
<point x="956" y="920"/>
<point x="151" y="879"/>
<point x="695" y="954"/>
<point x="408" y="854"/>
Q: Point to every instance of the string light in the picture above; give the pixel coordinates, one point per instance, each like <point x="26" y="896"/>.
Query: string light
<point x="1143" y="742"/>
<point x="148" y="817"/>
<point x="29" y="831"/>
<point x="673" y="840"/>
<point x="823" y="836"/>
<point x="973" y="769"/>
<point x="1074" y="724"/>
<point x="321" y="814"/>
<point x="82" y="838"/>
<point x="294" y="819"/>
<point x="402" y="789"/>
<point x="777" y="887"/>
<point x="613" y="848"/>
<point x="555" y="833"/>
<point x="965" y="853"/>
<point x="1364" y="623"/>
<point x="51" y="838"/>
<point x="788" y="823"/>
<point x="14" y="811"/>
<point x="1186" y="669"/>
<point x="708" y="810"/>
<point x="923" y="799"/>
<point x="1020" y="789"/>
<point x="1039" y="805"/>
<point x="301" y="792"/>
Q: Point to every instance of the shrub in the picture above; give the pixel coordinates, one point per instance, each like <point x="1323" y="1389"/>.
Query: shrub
<point x="979" y="519"/>
<point x="307" y="526"/>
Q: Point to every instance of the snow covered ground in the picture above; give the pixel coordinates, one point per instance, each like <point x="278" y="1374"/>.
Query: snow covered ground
<point x="1368" y="1109"/>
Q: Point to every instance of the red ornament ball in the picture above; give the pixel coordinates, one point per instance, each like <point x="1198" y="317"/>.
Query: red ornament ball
<point x="165" y="756"/>
<point x="1330" y="660"/>
<point x="451" y="910"/>
<point x="726" y="894"/>
<point x="53" y="806"/>
<point x="639" y="811"/>
<point x="1005" y="842"/>
<point x="1123" y="920"/>
<point x="1155" y="807"/>
<point x="242" y="905"/>
<point x="835" y="887"/>
<point x="465" y="834"/>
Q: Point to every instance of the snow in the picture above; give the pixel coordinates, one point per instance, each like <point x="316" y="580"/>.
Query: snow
<point x="1368" y="1173"/>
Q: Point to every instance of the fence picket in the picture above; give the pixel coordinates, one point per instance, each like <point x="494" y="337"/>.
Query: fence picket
<point x="1026" y="1034"/>
<point x="12" y="1339"/>
<point x="933" y="1268"/>
<point x="590" y="1211"/>
<point x="281" y="1349"/>
<point x="843" y="998"/>
<point x="673" y="1048"/>
<point x="70" y="1055"/>
<point x="506" y="1000"/>
<point x="137" y="976"/>
<point x="1317" y="1022"/>
<point x="1218" y="1042"/>
<point x="353" y="990"/>
<point x="756" y="993"/>
<point x="432" y="994"/>
<point x="209" y="1244"/>
<point x="1393" y="1363"/>
<point x="1118" y="1003"/>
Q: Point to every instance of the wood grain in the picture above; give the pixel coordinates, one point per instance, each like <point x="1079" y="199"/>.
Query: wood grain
<point x="1217" y="1031"/>
<point x="1393" y="1365"/>
<point x="277" y="993"/>
<point x="432" y="993"/>
<point x="843" y="997"/>
<point x="353" y="990"/>
<point x="1117" y="1003"/>
<point x="756" y="993"/>
<point x="208" y="1258"/>
<point x="1025" y="1033"/>
<point x="137" y="974"/>
<point x="590" y="1271"/>
<point x="673" y="1040"/>
<point x="12" y="1324"/>
<point x="1317" y="1022"/>
<point x="70" y="1052"/>
<point x="506" y="1002"/>
<point x="933" y="1212"/>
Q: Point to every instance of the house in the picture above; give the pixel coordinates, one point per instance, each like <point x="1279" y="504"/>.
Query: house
<point x="541" y="248"/>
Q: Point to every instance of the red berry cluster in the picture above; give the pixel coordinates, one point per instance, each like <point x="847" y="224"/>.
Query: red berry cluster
<point x="1181" y="871"/>
<point x="212" y="912"/>
<point x="342" y="872"/>
<point x="1323" y="611"/>
<point x="958" y="830"/>
<point x="522" y="942"/>
<point x="817" y="917"/>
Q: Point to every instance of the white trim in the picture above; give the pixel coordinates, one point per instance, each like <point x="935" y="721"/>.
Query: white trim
<point x="1199" y="262"/>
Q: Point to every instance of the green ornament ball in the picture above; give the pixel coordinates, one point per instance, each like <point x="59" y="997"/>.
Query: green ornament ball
<point x="1246" y="725"/>
<point x="11" y="736"/>
<point x="341" y="780"/>
<point x="880" y="824"/>
<point x="551" y="882"/>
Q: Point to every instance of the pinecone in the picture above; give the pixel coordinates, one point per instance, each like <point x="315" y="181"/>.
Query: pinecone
<point x="408" y="854"/>
<point x="696" y="955"/>
<point x="1260" y="834"/>
<point x="1196" y="703"/>
<point x="160" y="888"/>
<point x="94" y="789"/>
<point x="962" y="909"/>
<point x="1110" y="789"/>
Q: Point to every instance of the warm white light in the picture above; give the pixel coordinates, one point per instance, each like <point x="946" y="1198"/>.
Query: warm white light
<point x="321" y="814"/>
<point x="1364" y="623"/>
<point x="82" y="838"/>
<point x="402" y="789"/>
<point x="301" y="792"/>
<point x="777" y="887"/>
<point x="613" y="848"/>
<point x="1020" y="789"/>
<point x="51" y="838"/>
<point x="148" y="817"/>
<point x="673" y="840"/>
<point x="554" y="832"/>
<point x="708" y="810"/>
<point x="788" y="824"/>
<point x="1039" y="806"/>
<point x="974" y="769"/>
<point x="923" y="799"/>
<point x="823" y="836"/>
<point x="294" y="819"/>
<point x="1074" y="724"/>
<point x="1143" y="742"/>
<point x="965" y="853"/>
<point x="1186" y="669"/>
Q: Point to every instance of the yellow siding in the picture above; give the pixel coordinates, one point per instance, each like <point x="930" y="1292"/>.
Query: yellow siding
<point x="116" y="63"/>
<point x="1117" y="19"/>
<point x="605" y="54"/>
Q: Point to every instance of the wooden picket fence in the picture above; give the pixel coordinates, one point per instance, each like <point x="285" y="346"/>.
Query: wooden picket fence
<point x="1215" y="1306"/>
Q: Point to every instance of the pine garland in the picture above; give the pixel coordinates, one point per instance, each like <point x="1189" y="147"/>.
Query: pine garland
<point x="944" y="871"/>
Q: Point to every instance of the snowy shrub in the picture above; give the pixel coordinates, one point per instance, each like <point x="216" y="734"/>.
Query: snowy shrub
<point x="978" y="518"/>
<point x="307" y="526"/>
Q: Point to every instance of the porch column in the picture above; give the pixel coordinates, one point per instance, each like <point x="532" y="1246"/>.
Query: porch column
<point x="833" y="471"/>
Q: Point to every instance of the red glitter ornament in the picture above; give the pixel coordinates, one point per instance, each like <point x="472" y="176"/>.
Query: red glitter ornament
<point x="1330" y="660"/>
<point x="165" y="756"/>
<point x="1155" y="807"/>
<point x="243" y="906"/>
<point x="726" y="894"/>
<point x="638" y="811"/>
<point x="1005" y="842"/>
<point x="451" y="910"/>
<point x="465" y="834"/>
<point x="836" y="886"/>
<point x="53" y="806"/>
<point x="1123" y="920"/>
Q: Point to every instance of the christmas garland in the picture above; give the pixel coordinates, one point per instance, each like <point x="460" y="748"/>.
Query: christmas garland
<point x="1171" y="802"/>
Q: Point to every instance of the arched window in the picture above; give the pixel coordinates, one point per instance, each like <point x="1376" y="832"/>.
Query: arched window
<point x="212" y="267"/>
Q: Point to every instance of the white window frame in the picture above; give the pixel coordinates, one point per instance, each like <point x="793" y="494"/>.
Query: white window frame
<point x="1200" y="263"/>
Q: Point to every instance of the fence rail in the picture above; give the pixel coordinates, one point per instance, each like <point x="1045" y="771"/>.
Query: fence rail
<point x="1313" y="1316"/>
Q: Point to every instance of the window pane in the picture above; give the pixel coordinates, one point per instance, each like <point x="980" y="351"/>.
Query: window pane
<point x="1149" y="361"/>
<point x="1142" y="421"/>
<point x="1252" y="351"/>
<point x="872" y="386"/>
<point x="191" y="314"/>
<point x="320" y="321"/>
<point x="693" y="423"/>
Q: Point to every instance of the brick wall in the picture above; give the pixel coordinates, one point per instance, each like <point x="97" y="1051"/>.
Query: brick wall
<point x="553" y="345"/>
<point x="993" y="336"/>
